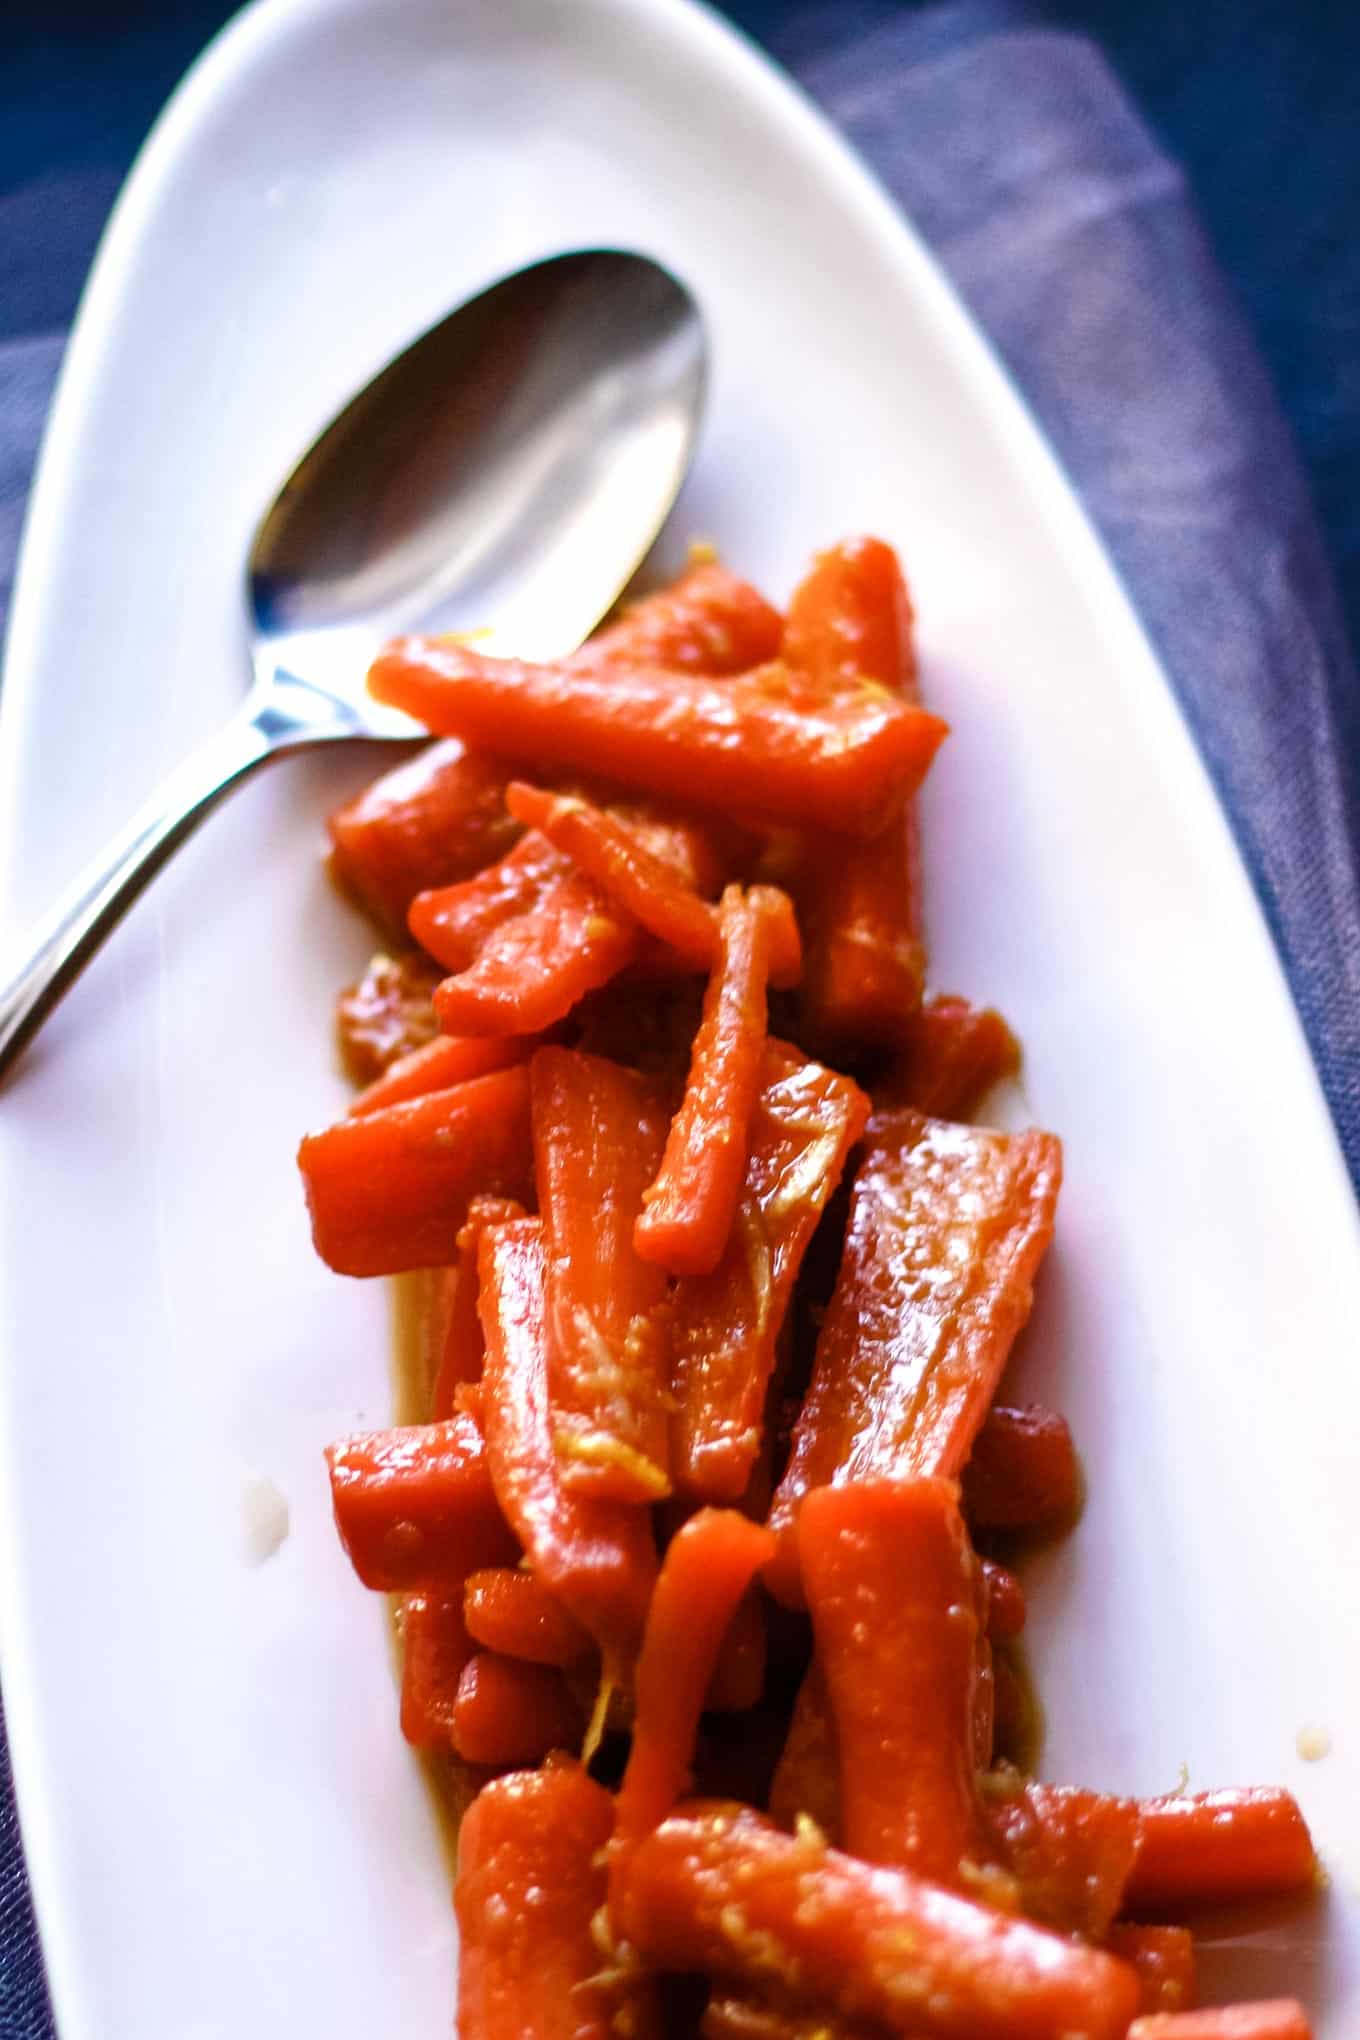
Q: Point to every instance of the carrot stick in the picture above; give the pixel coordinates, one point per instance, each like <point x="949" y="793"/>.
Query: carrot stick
<point x="739" y="1668"/>
<point x="1022" y="1472"/>
<point x="438" y="1066"/>
<point x="415" y="1507"/>
<point x="435" y="1646"/>
<point x="510" y="1712"/>
<point x="454" y="922"/>
<point x="948" y="1225"/>
<point x="461" y="1348"/>
<point x="1005" y="1601"/>
<point x="386" y="1015"/>
<point x="1271" y="2019"/>
<point x="390" y="1190"/>
<point x="1214" y="1847"/>
<point x="893" y="1591"/>
<point x="726" y="1325"/>
<point x="724" y="1893"/>
<point x="851" y="616"/>
<point x="806" y="1784"/>
<point x="1070" y="1851"/>
<point x="706" y="622"/>
<point x="688" y="1210"/>
<point x="845" y="761"/>
<point x="598" y="1132"/>
<point x="530" y="1883"/>
<point x="707" y="1569"/>
<point x="509" y="1611"/>
<point x="437" y="818"/>
<point x="954" y="1054"/>
<point x="531" y="971"/>
<point x="597" y="1557"/>
<point x="1164" y="1960"/>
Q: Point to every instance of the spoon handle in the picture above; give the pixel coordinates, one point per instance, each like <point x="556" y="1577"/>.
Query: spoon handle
<point x="278" y="714"/>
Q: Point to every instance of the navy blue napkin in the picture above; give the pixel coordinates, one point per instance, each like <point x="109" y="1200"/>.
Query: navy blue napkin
<point x="1073" y="238"/>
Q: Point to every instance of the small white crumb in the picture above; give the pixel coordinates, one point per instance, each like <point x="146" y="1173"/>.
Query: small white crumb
<point x="1313" y="1743"/>
<point x="264" y="1519"/>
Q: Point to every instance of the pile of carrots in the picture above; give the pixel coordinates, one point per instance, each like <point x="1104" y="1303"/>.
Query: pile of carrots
<point x="700" y="1540"/>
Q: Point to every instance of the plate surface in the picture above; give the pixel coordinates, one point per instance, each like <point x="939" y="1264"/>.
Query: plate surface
<point x="224" y="1830"/>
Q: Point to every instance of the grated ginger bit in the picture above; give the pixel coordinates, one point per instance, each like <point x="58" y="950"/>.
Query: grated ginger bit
<point x="702" y="552"/>
<point x="599" y="1715"/>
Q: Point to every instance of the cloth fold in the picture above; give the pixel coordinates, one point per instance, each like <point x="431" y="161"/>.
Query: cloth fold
<point x="1021" y="161"/>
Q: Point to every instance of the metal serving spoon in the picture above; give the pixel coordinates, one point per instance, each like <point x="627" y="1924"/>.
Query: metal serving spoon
<point x="505" y="475"/>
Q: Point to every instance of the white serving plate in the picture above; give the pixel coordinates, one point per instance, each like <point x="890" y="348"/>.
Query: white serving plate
<point x="224" y="1830"/>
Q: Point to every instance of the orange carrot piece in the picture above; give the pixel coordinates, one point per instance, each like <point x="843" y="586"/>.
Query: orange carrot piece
<point x="739" y="1668"/>
<point x="438" y="1066"/>
<point x="893" y="1591"/>
<point x="708" y="1567"/>
<point x="1270" y="2019"/>
<point x="706" y="622"/>
<point x="688" y="1210"/>
<point x="388" y="1014"/>
<point x="532" y="970"/>
<point x="1164" y="1959"/>
<point x="530" y="1883"/>
<point x="435" y="1646"/>
<point x="598" y="1132"/>
<point x="461" y="1349"/>
<point x="390" y="1190"/>
<point x="1070" y="1851"/>
<point x="510" y="1712"/>
<point x="415" y="1507"/>
<point x="724" y="1893"/>
<point x="1022" y="1472"/>
<point x="597" y="1557"/>
<point x="453" y="922"/>
<point x="953" y="1055"/>
<point x="851" y="617"/>
<point x="436" y="818"/>
<point x="806" y="1783"/>
<point x="948" y="1225"/>
<point x="845" y="761"/>
<point x="726" y="1325"/>
<point x="508" y="1611"/>
<point x="1214" y="1847"/>
<point x="1005" y="1601"/>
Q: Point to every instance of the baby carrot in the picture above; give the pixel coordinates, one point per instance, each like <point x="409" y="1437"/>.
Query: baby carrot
<point x="390" y="1190"/>
<point x="439" y="1065"/>
<point x="1070" y="1851"/>
<point x="597" y="1557"/>
<point x="461" y="1349"/>
<point x="531" y="971"/>
<point x="750" y="746"/>
<point x="953" y="1054"/>
<point x="386" y="1015"/>
<point x="706" y="622"/>
<point x="415" y="1507"/>
<point x="436" y="818"/>
<point x="1270" y="2019"/>
<point x="1164" y="1960"/>
<point x="435" y="1646"/>
<point x="507" y="1610"/>
<point x="1022" y="1472"/>
<point x="1213" y="1847"/>
<point x="598" y="1132"/>
<point x="722" y="1892"/>
<point x="510" y="1712"/>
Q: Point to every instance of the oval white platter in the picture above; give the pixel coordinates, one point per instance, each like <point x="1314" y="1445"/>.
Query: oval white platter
<point x="224" y="1830"/>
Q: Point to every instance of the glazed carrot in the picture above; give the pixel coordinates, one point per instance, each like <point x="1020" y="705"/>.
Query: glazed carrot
<point x="390" y="1190"/>
<point x="851" y="616"/>
<point x="1005" y="1600"/>
<point x="722" y="1892"/>
<point x="415" y="1507"/>
<point x="510" y="1712"/>
<point x="437" y="818"/>
<point x="1070" y="1851"/>
<point x="806" y="1784"/>
<point x="530" y="1883"/>
<point x="461" y="1347"/>
<point x="726" y="1325"/>
<point x="948" y="1225"/>
<point x="1213" y="1847"/>
<point x="435" y="1646"/>
<point x="954" y="1054"/>
<point x="893" y="1591"/>
<point x="1271" y="2019"/>
<point x="454" y="922"/>
<point x="598" y="1132"/>
<point x="843" y="762"/>
<point x="597" y="1557"/>
<point x="707" y="1569"/>
<point x="388" y="1014"/>
<point x="1164" y="1959"/>
<point x="507" y="1610"/>
<point x="1022" y="1472"/>
<point x="706" y="622"/>
<point x="439" y="1065"/>
<point x="688" y="1210"/>
<point x="531" y="971"/>
<point x="739" y="1669"/>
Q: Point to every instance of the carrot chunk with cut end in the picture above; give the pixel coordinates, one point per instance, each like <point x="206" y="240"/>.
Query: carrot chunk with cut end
<point x="387" y="1015"/>
<point x="598" y="1132"/>
<point x="725" y="1893"/>
<point x="948" y="1225"/>
<point x="390" y="1190"/>
<point x="844" y="761"/>
<point x="436" y="818"/>
<point x="510" y="1712"/>
<point x="851" y="616"/>
<point x="530" y="1884"/>
<point x="453" y="922"/>
<point x="1213" y="1847"/>
<point x="597" y="1557"/>
<point x="726" y="1325"/>
<point x="708" y="621"/>
<point x="435" y="1646"/>
<point x="415" y="1506"/>
<point x="531" y="972"/>
<point x="1022" y="1472"/>
<point x="1270" y="2019"/>
<point x="1164" y="1960"/>
<point x="1070" y="1851"/>
<point x="954" y="1054"/>
<point x="507" y="1610"/>
<point x="894" y="1591"/>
